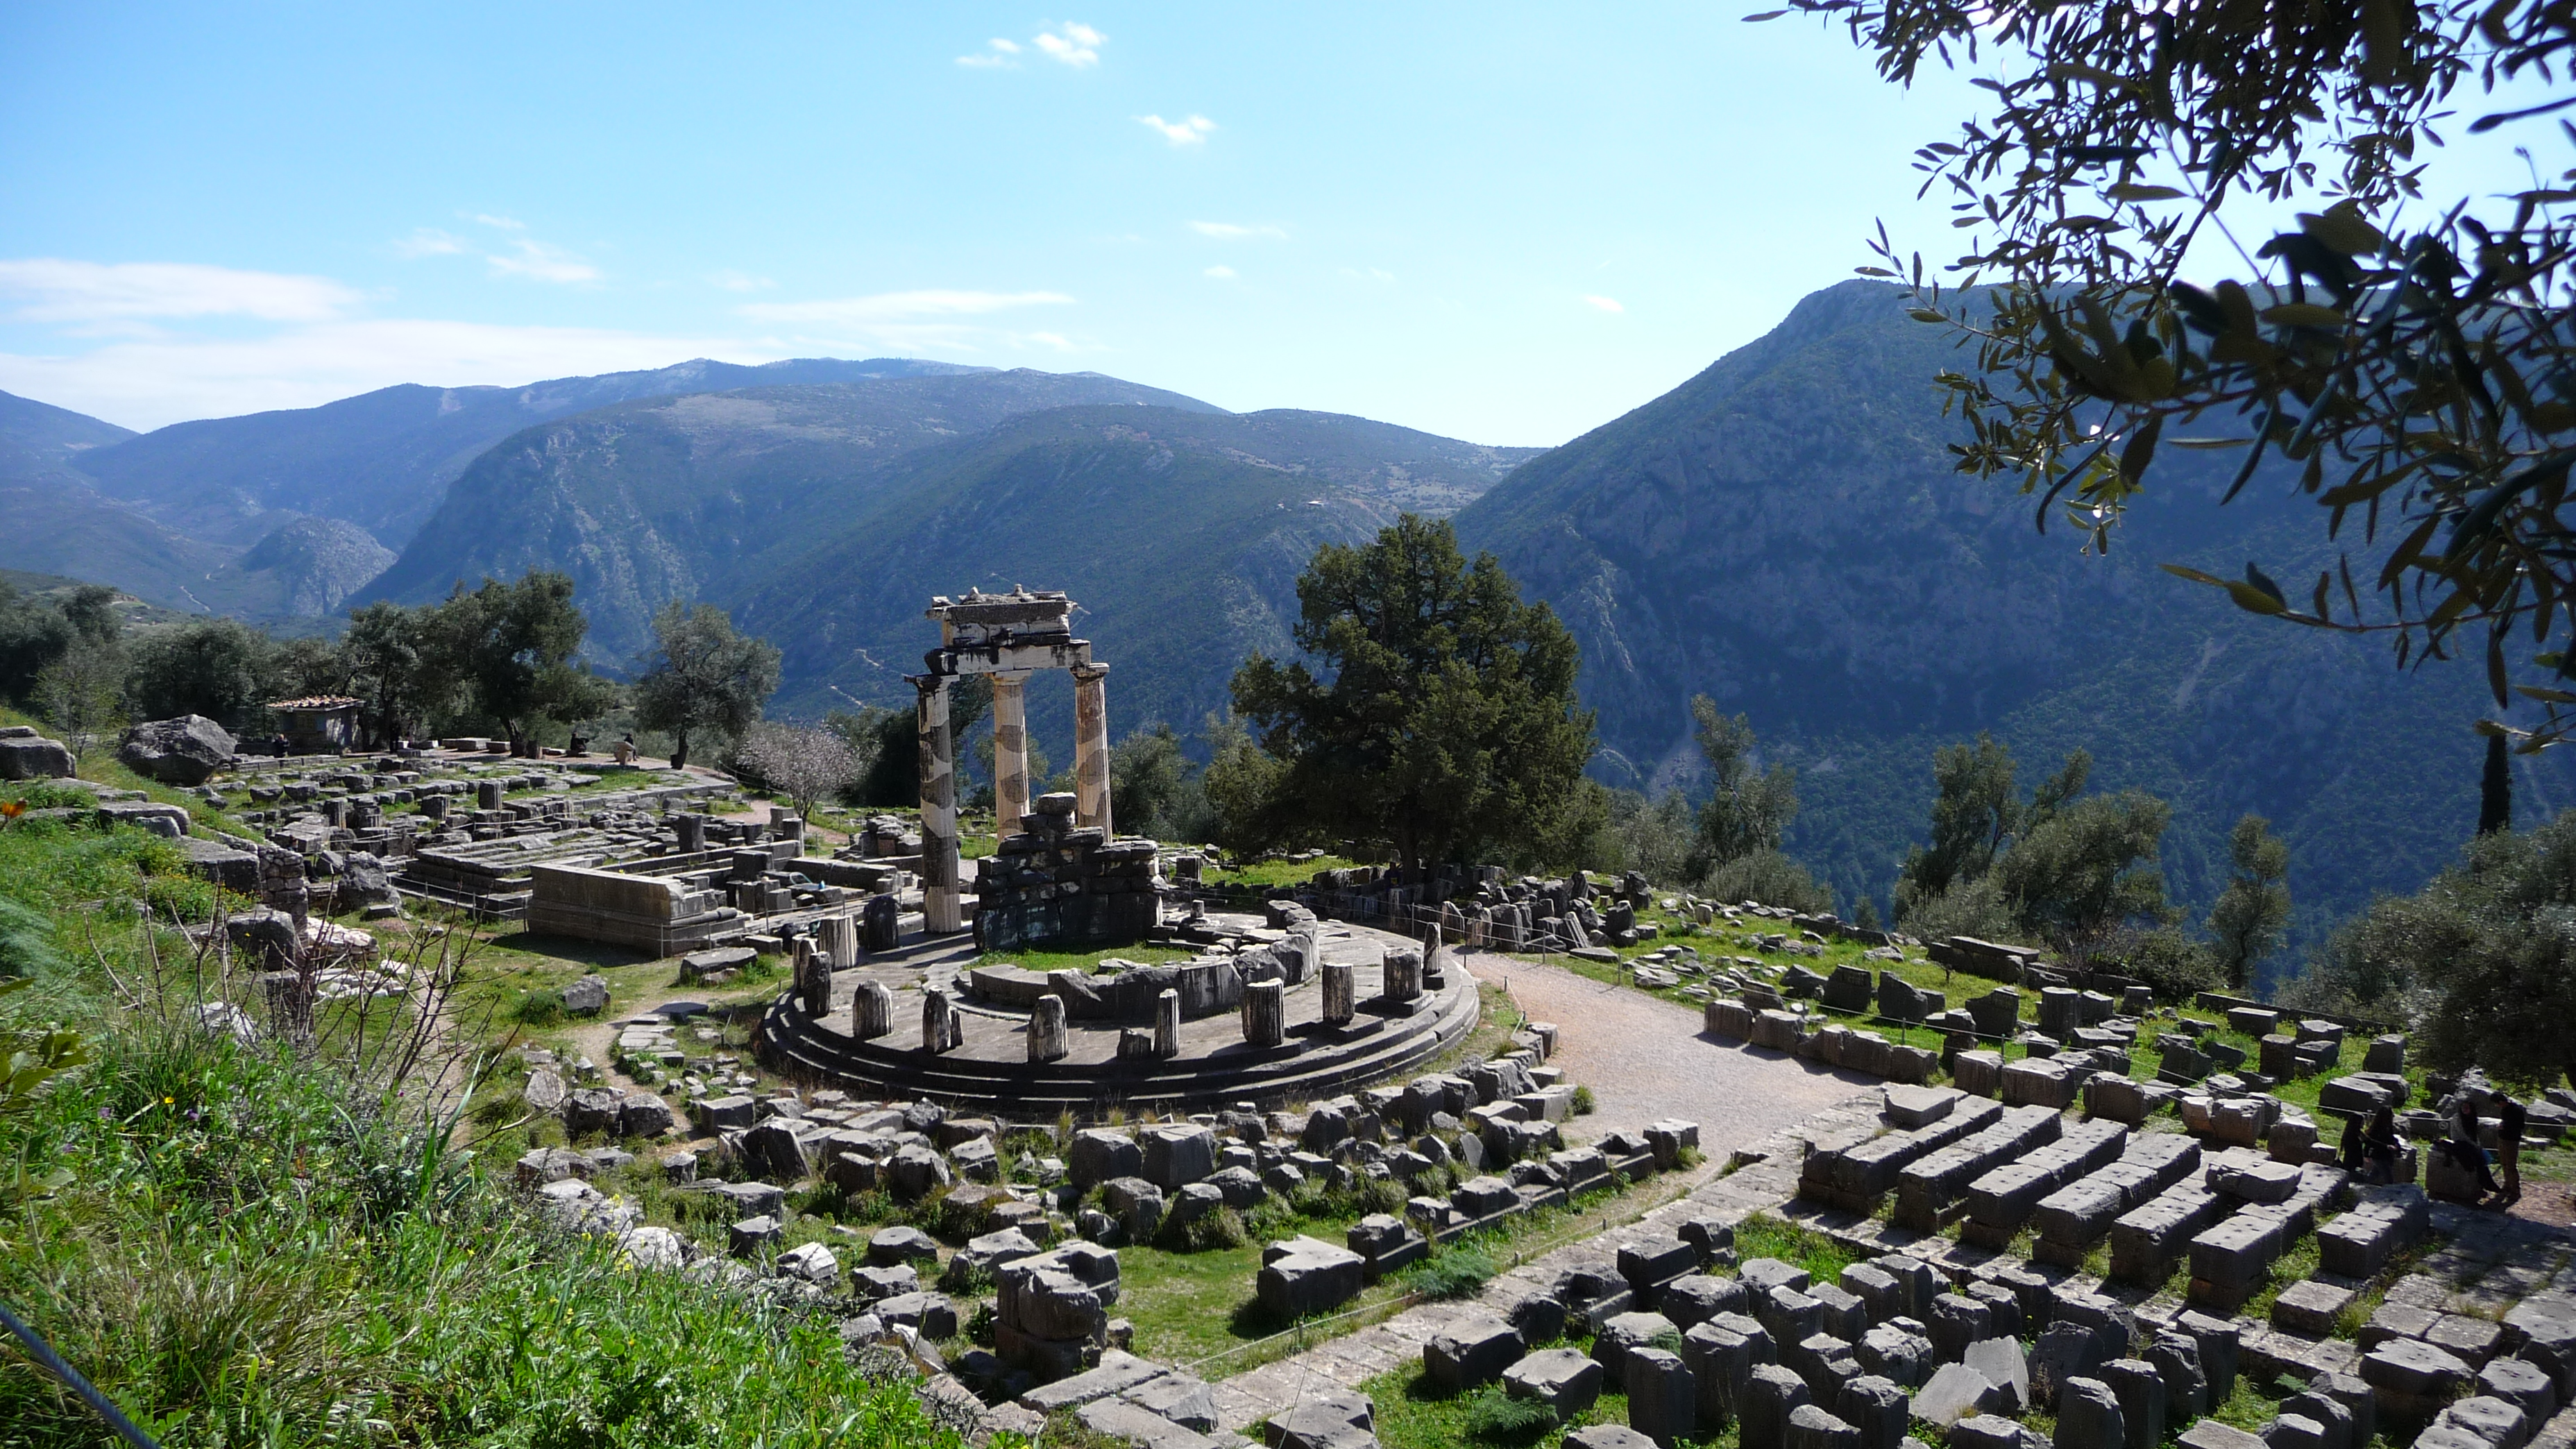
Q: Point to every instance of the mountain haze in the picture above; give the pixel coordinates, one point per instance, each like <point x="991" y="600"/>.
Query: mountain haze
<point x="382" y="460"/>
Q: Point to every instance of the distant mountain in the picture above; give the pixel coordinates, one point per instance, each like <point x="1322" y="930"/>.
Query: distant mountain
<point x="1181" y="535"/>
<point x="59" y="524"/>
<point x="52" y="434"/>
<point x="827" y="516"/>
<point x="1784" y="532"/>
<point x="382" y="460"/>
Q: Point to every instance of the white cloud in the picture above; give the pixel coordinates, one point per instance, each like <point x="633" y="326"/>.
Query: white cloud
<point x="1056" y="340"/>
<point x="1606" y="304"/>
<point x="428" y="241"/>
<point x="997" y="57"/>
<point x="63" y="291"/>
<point x="1181" y="133"/>
<point x="733" y="281"/>
<point x="505" y="223"/>
<point x="540" y="262"/>
<point x="1220" y="272"/>
<point x="1231" y="231"/>
<point x="152" y="382"/>
<point x="1074" y="44"/>
<point x="895" y="307"/>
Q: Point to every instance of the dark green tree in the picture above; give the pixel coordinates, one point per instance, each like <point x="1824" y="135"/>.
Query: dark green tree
<point x="1242" y="783"/>
<point x="2086" y="873"/>
<point x="1155" y="789"/>
<point x="2248" y="920"/>
<point x="393" y="660"/>
<point x="512" y="645"/>
<point x="33" y="634"/>
<point x="2403" y="354"/>
<point x="1750" y="808"/>
<point x="1443" y="724"/>
<point x="219" y="668"/>
<point x="2480" y="964"/>
<point x="2495" y="789"/>
<point x="1975" y="810"/>
<point x="702" y="675"/>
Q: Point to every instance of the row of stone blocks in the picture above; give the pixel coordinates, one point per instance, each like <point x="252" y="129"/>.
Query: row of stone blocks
<point x="1835" y="1045"/>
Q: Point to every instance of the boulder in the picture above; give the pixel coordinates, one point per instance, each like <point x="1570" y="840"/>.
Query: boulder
<point x="187" y="750"/>
<point x="587" y="996"/>
<point x="30" y="758"/>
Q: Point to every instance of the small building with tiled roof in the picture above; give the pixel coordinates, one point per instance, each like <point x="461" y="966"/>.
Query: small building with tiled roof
<point x="318" y="724"/>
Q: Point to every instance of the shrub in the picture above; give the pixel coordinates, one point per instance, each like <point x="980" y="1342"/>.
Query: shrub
<point x="1457" y="1273"/>
<point x="1271" y="1220"/>
<point x="1584" y="1103"/>
<point x="1497" y="1417"/>
<point x="1220" y="1229"/>
<point x="542" y="1006"/>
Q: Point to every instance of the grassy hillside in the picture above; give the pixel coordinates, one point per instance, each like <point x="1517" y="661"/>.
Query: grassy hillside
<point x="243" y="1242"/>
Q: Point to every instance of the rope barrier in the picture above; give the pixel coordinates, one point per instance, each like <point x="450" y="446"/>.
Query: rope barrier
<point x="43" y="1353"/>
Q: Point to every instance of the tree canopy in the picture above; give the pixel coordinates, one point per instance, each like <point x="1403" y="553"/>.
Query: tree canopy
<point x="1439" y="720"/>
<point x="2480" y="965"/>
<point x="2246" y="923"/>
<point x="2406" y="355"/>
<point x="702" y="675"/>
<point x="513" y="645"/>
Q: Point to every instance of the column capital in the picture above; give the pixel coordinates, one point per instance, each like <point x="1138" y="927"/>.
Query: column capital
<point x="1010" y="678"/>
<point x="1088" y="673"/>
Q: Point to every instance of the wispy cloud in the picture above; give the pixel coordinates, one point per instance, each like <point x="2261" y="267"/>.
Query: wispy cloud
<point x="505" y="223"/>
<point x="999" y="57"/>
<point x="61" y="291"/>
<point x="540" y="262"/>
<point x="151" y="382"/>
<point x="733" y="281"/>
<point x="1190" y="132"/>
<point x="1074" y="44"/>
<point x="1606" y="304"/>
<point x="429" y="241"/>
<point x="1221" y="272"/>
<point x="1232" y="231"/>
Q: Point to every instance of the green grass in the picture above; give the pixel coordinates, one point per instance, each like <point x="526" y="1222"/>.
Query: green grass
<point x="1415" y="1413"/>
<point x="1046" y="961"/>
<point x="1763" y="1235"/>
<point x="1264" y="874"/>
<point x="255" y="1246"/>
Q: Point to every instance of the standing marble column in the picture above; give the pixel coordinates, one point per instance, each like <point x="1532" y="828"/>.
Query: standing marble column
<point x="1046" y="1030"/>
<point x="813" y="977"/>
<point x="940" y="908"/>
<point x="939" y="1028"/>
<point x="1091" y="747"/>
<point x="1167" y="1024"/>
<point x="1010" y="751"/>
<point x="1265" y="1014"/>
<point x="871" y="1011"/>
<point x="841" y="941"/>
<point x="1403" y="974"/>
<point x="1341" y="993"/>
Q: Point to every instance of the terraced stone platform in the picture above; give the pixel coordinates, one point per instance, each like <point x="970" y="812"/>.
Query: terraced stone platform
<point x="990" y="1069"/>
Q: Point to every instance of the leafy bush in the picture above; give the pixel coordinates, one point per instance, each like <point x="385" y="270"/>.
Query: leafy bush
<point x="1496" y="1417"/>
<point x="1271" y="1220"/>
<point x="541" y="1006"/>
<point x="1768" y="878"/>
<point x="1456" y="1273"/>
<point x="1220" y="1229"/>
<point x="1584" y="1102"/>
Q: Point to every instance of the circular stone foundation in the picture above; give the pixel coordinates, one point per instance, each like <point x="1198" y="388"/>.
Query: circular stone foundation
<point x="990" y="1070"/>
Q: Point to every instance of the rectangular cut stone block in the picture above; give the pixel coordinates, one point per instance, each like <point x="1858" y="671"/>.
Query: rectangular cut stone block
<point x="2310" y="1307"/>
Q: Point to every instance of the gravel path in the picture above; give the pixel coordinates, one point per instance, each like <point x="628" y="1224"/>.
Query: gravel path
<point x="1645" y="1058"/>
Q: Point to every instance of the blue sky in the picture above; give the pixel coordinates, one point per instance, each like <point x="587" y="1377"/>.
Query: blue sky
<point x="1502" y="223"/>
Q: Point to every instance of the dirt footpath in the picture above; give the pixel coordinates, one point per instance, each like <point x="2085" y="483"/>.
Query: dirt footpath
<point x="1645" y="1058"/>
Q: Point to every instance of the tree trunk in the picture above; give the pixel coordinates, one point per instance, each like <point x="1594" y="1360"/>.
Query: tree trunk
<point x="679" y="749"/>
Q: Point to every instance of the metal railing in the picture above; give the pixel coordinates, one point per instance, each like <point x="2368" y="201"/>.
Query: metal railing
<point x="52" y="1362"/>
